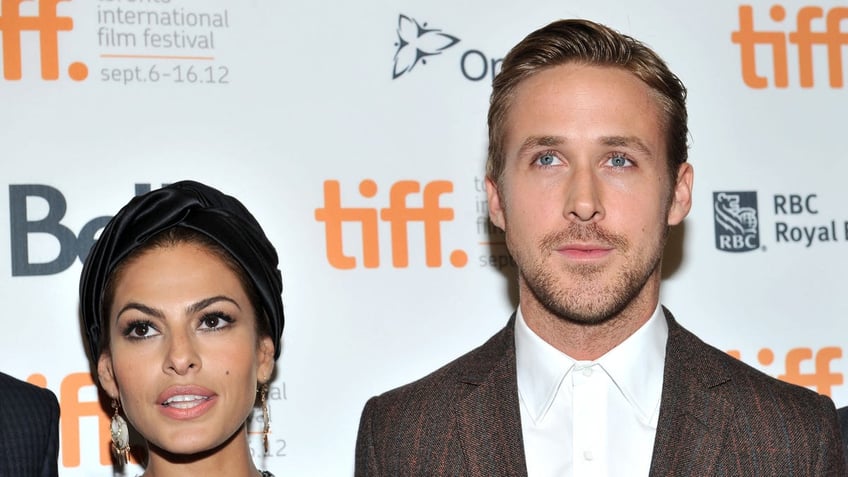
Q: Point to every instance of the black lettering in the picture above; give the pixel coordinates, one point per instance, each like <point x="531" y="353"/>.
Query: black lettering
<point x="483" y="65"/>
<point x="779" y="205"/>
<point x="21" y="227"/>
<point x="780" y="231"/>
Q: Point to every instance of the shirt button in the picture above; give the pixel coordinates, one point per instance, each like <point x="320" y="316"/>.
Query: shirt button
<point x="587" y="371"/>
<point x="588" y="455"/>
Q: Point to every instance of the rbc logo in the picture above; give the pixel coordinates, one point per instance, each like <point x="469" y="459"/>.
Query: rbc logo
<point x="736" y="223"/>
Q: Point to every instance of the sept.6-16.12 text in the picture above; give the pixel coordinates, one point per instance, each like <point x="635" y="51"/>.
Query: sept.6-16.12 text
<point x="156" y="73"/>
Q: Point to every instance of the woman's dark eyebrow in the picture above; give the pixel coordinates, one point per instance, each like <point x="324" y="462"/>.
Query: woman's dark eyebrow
<point x="142" y="308"/>
<point x="196" y="307"/>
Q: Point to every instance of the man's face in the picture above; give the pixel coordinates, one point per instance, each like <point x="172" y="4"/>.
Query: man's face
<point x="585" y="199"/>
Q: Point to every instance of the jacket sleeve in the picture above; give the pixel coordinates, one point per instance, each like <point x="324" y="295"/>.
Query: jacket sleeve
<point x="831" y="453"/>
<point x="366" y="459"/>
<point x="50" y="465"/>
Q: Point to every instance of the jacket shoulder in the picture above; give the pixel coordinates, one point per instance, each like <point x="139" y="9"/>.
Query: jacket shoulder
<point x="712" y="363"/>
<point x="415" y="429"/>
<point x="453" y="380"/>
<point x="16" y="394"/>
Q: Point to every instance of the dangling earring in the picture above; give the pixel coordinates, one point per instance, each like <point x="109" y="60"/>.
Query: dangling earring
<point x="266" y="429"/>
<point x="120" y="435"/>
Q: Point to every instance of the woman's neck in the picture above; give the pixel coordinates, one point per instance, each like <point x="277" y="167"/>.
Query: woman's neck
<point x="231" y="459"/>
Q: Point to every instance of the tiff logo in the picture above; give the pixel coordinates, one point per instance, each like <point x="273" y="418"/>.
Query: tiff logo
<point x="398" y="214"/>
<point x="48" y="25"/>
<point x="804" y="37"/>
<point x="804" y="367"/>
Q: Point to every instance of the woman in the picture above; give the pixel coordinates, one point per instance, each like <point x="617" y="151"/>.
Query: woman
<point x="181" y="304"/>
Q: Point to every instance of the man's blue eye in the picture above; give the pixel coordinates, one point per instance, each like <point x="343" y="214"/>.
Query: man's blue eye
<point x="547" y="159"/>
<point x="618" y="161"/>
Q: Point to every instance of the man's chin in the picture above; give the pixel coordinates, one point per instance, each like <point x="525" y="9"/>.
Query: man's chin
<point x="582" y="315"/>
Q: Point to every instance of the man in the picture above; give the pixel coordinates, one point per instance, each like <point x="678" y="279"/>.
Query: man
<point x="29" y="430"/>
<point x="591" y="376"/>
<point x="843" y="426"/>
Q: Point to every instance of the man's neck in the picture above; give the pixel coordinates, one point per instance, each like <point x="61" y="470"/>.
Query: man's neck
<point x="583" y="341"/>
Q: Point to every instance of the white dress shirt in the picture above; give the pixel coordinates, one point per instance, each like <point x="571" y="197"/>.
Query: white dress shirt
<point x="590" y="418"/>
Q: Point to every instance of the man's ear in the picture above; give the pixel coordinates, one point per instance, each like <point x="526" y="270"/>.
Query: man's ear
<point x="496" y="211"/>
<point x="106" y="374"/>
<point x="681" y="201"/>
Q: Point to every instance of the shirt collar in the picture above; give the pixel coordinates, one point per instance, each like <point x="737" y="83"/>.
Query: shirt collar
<point x="635" y="366"/>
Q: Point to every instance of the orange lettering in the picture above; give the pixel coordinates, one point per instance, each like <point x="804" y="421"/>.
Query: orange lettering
<point x="748" y="39"/>
<point x="822" y="378"/>
<point x="72" y="411"/>
<point x="333" y="215"/>
<point x="835" y="40"/>
<point x="398" y="214"/>
<point x="803" y="37"/>
<point x="37" y="379"/>
<point x="48" y="25"/>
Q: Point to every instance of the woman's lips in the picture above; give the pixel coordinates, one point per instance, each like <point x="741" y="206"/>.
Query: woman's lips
<point x="186" y="402"/>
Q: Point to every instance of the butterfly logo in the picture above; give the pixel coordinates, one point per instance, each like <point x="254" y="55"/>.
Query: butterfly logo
<point x="416" y="42"/>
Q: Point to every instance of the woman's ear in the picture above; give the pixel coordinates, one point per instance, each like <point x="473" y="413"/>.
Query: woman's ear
<point x="106" y="374"/>
<point x="265" y="359"/>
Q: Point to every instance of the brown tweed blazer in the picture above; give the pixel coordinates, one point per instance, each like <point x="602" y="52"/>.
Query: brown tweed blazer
<point x="843" y="424"/>
<point x="718" y="417"/>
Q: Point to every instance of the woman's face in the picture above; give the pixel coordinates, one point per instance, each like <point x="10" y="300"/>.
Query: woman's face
<point x="184" y="356"/>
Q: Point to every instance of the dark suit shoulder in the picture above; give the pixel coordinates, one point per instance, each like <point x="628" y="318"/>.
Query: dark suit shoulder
<point x="16" y="395"/>
<point x="714" y="366"/>
<point x="741" y="421"/>
<point x="416" y="429"/>
<point x="29" y="429"/>
<point x="453" y="380"/>
<point x="843" y="422"/>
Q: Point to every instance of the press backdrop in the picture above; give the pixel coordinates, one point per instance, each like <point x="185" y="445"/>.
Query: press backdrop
<point x="316" y="113"/>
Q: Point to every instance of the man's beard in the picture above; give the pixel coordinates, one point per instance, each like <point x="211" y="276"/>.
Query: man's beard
<point x="585" y="300"/>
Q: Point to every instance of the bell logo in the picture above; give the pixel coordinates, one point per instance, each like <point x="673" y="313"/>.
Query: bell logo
<point x="398" y="214"/>
<point x="832" y="37"/>
<point x="48" y="25"/>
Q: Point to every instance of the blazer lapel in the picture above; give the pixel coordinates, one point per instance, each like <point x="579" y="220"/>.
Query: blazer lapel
<point x="694" y="414"/>
<point x="488" y="418"/>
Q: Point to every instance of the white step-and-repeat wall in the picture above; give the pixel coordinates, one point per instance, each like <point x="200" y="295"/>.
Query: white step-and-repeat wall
<point x="312" y="112"/>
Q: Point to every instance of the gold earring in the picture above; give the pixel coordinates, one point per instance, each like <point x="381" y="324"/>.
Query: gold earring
<point x="266" y="419"/>
<point x="120" y="435"/>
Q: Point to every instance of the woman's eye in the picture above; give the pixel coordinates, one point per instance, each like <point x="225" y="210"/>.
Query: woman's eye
<point x="140" y="330"/>
<point x="211" y="321"/>
<point x="215" y="321"/>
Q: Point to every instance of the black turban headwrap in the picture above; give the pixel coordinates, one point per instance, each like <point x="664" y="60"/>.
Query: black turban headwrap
<point x="194" y="206"/>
